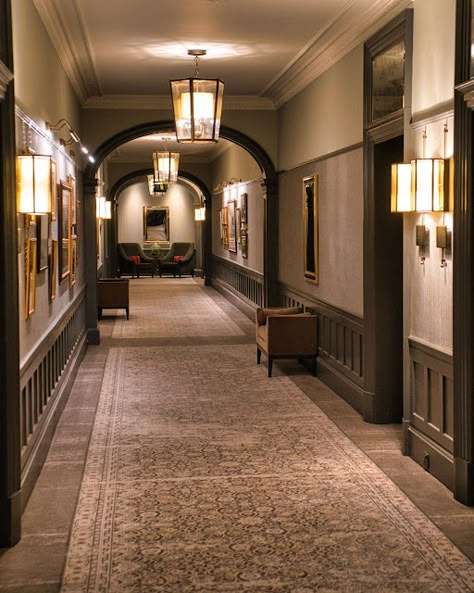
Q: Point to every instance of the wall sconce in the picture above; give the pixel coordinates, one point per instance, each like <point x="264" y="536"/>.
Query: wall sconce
<point x="34" y="183"/>
<point x="197" y="105"/>
<point x="103" y="208"/>
<point x="200" y="213"/>
<point x="422" y="240"/>
<point x="443" y="237"/>
<point x="402" y="198"/>
<point x="73" y="136"/>
<point x="430" y="185"/>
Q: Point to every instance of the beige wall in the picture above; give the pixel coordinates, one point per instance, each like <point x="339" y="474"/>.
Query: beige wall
<point x="340" y="191"/>
<point x="234" y="162"/>
<point x="42" y="88"/>
<point x="180" y="201"/>
<point x="326" y="116"/>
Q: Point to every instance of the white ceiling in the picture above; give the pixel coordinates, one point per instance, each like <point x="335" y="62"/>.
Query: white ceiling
<point x="122" y="53"/>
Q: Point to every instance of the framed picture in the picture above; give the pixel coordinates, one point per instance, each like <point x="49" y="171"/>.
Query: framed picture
<point x="244" y="242"/>
<point x="232" y="243"/>
<point x="238" y="223"/>
<point x="243" y="208"/>
<point x="54" y="190"/>
<point x="53" y="269"/>
<point x="310" y="229"/>
<point x="156" y="224"/>
<point x="64" y="228"/>
<point x="42" y="237"/>
<point x="73" y="266"/>
<point x="30" y="277"/>
<point x="71" y="181"/>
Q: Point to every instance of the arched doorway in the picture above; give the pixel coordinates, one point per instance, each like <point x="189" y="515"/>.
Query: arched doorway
<point x="270" y="230"/>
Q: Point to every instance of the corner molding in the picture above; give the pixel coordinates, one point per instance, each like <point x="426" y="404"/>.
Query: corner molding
<point x="71" y="44"/>
<point x="5" y="77"/>
<point x="351" y="27"/>
<point x="233" y="102"/>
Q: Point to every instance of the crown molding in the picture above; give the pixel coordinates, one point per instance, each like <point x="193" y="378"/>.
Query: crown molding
<point x="236" y="102"/>
<point x="71" y="44"/>
<point x="5" y="77"/>
<point x="352" y="26"/>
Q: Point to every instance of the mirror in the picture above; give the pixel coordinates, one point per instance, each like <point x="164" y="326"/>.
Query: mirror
<point x="388" y="80"/>
<point x="310" y="228"/>
<point x="156" y="224"/>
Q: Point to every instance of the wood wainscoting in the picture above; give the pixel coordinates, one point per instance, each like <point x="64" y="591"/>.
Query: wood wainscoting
<point x="429" y="435"/>
<point x="46" y="378"/>
<point x="340" y="346"/>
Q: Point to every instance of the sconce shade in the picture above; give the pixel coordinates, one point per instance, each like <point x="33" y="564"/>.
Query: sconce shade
<point x="402" y="195"/>
<point x="197" y="106"/>
<point x="165" y="166"/>
<point x="430" y="185"/>
<point x="34" y="183"/>
<point x="108" y="210"/>
<point x="200" y="214"/>
<point x="103" y="208"/>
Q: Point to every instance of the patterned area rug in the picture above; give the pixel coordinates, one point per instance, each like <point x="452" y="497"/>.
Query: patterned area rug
<point x="168" y="307"/>
<point x="203" y="475"/>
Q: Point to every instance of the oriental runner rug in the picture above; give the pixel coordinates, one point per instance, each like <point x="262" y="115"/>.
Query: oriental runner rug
<point x="205" y="476"/>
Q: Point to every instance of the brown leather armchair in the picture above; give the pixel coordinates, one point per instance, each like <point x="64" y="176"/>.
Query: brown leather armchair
<point x="286" y="332"/>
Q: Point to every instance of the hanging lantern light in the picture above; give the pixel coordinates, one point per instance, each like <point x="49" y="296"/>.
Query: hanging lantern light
<point x="165" y="166"/>
<point x="197" y="105"/>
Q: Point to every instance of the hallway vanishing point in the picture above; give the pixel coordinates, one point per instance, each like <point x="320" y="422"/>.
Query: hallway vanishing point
<point x="178" y="467"/>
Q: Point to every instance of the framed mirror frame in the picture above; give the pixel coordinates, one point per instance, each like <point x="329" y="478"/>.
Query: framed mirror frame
<point x="310" y="229"/>
<point x="64" y="230"/>
<point x="156" y="224"/>
<point x="30" y="277"/>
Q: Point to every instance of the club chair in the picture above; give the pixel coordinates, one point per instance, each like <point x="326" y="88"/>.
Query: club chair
<point x="132" y="260"/>
<point x="180" y="260"/>
<point x="286" y="332"/>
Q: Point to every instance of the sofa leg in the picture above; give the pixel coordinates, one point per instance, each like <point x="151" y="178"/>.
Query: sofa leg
<point x="259" y="355"/>
<point x="270" y="366"/>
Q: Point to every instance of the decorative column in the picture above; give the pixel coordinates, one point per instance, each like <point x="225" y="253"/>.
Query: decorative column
<point x="90" y="221"/>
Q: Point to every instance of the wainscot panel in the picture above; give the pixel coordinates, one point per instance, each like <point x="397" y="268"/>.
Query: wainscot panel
<point x="340" y="346"/>
<point x="46" y="378"/>
<point x="244" y="287"/>
<point x="429" y="434"/>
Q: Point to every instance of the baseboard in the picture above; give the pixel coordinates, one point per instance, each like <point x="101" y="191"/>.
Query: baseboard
<point x="36" y="459"/>
<point x="352" y="393"/>
<point x="235" y="298"/>
<point x="433" y="458"/>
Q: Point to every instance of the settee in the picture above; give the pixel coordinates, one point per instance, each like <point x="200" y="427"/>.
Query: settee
<point x="286" y="332"/>
<point x="180" y="260"/>
<point x="133" y="261"/>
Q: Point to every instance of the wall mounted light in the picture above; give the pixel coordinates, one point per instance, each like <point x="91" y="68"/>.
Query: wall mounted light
<point x="73" y="136"/>
<point x="402" y="198"/>
<point x="34" y="183"/>
<point x="430" y="185"/>
<point x="443" y="242"/>
<point x="200" y="213"/>
<point x="422" y="240"/>
<point x="197" y="105"/>
<point x="103" y="208"/>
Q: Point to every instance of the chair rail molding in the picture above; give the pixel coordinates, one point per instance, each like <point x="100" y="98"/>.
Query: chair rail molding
<point x="5" y="77"/>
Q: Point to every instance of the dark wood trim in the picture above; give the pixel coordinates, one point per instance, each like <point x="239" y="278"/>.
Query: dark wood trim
<point x="10" y="463"/>
<point x="90" y="259"/>
<point x="463" y="262"/>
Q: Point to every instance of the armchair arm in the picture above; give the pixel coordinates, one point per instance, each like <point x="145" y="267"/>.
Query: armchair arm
<point x="263" y="312"/>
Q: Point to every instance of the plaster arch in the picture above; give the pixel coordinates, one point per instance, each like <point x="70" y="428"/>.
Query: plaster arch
<point x="270" y="242"/>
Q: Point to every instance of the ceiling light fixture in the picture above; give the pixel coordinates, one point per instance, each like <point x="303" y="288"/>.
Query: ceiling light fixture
<point x="197" y="105"/>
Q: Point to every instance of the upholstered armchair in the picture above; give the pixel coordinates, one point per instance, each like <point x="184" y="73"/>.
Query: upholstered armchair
<point x="132" y="260"/>
<point x="286" y="332"/>
<point x="180" y="260"/>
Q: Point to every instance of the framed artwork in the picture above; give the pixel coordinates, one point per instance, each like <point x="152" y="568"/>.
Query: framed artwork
<point x="64" y="228"/>
<point x="53" y="269"/>
<point x="30" y="277"/>
<point x="54" y="190"/>
<point x="224" y="227"/>
<point x="232" y="242"/>
<point x="244" y="242"/>
<point x="243" y="208"/>
<point x="238" y="223"/>
<point x="156" y="224"/>
<point x="71" y="181"/>
<point x="221" y="235"/>
<point x="73" y="266"/>
<point x="42" y="237"/>
<point x="310" y="228"/>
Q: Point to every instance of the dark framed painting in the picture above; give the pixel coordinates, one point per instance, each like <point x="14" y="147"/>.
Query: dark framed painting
<point x="244" y="243"/>
<point x="54" y="190"/>
<point x="232" y="240"/>
<point x="73" y="266"/>
<point x="156" y="224"/>
<point x="42" y="237"/>
<point x="310" y="229"/>
<point x="243" y="208"/>
<point x="30" y="277"/>
<point x="238" y="223"/>
<point x="64" y="231"/>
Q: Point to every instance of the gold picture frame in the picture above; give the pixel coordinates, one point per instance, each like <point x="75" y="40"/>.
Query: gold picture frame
<point x="71" y="181"/>
<point x="232" y="241"/>
<point x="53" y="269"/>
<point x="30" y="277"/>
<point x="156" y="224"/>
<point x="54" y="190"/>
<point x="73" y="266"/>
<point x="64" y="231"/>
<point x="311" y="228"/>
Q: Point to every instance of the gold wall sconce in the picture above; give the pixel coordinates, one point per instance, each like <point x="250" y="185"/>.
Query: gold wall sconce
<point x="34" y="178"/>
<point x="73" y="136"/>
<point x="443" y="242"/>
<point x="402" y="197"/>
<point x="422" y="240"/>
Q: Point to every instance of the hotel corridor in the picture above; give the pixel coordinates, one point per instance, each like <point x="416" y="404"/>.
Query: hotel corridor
<point x="179" y="467"/>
